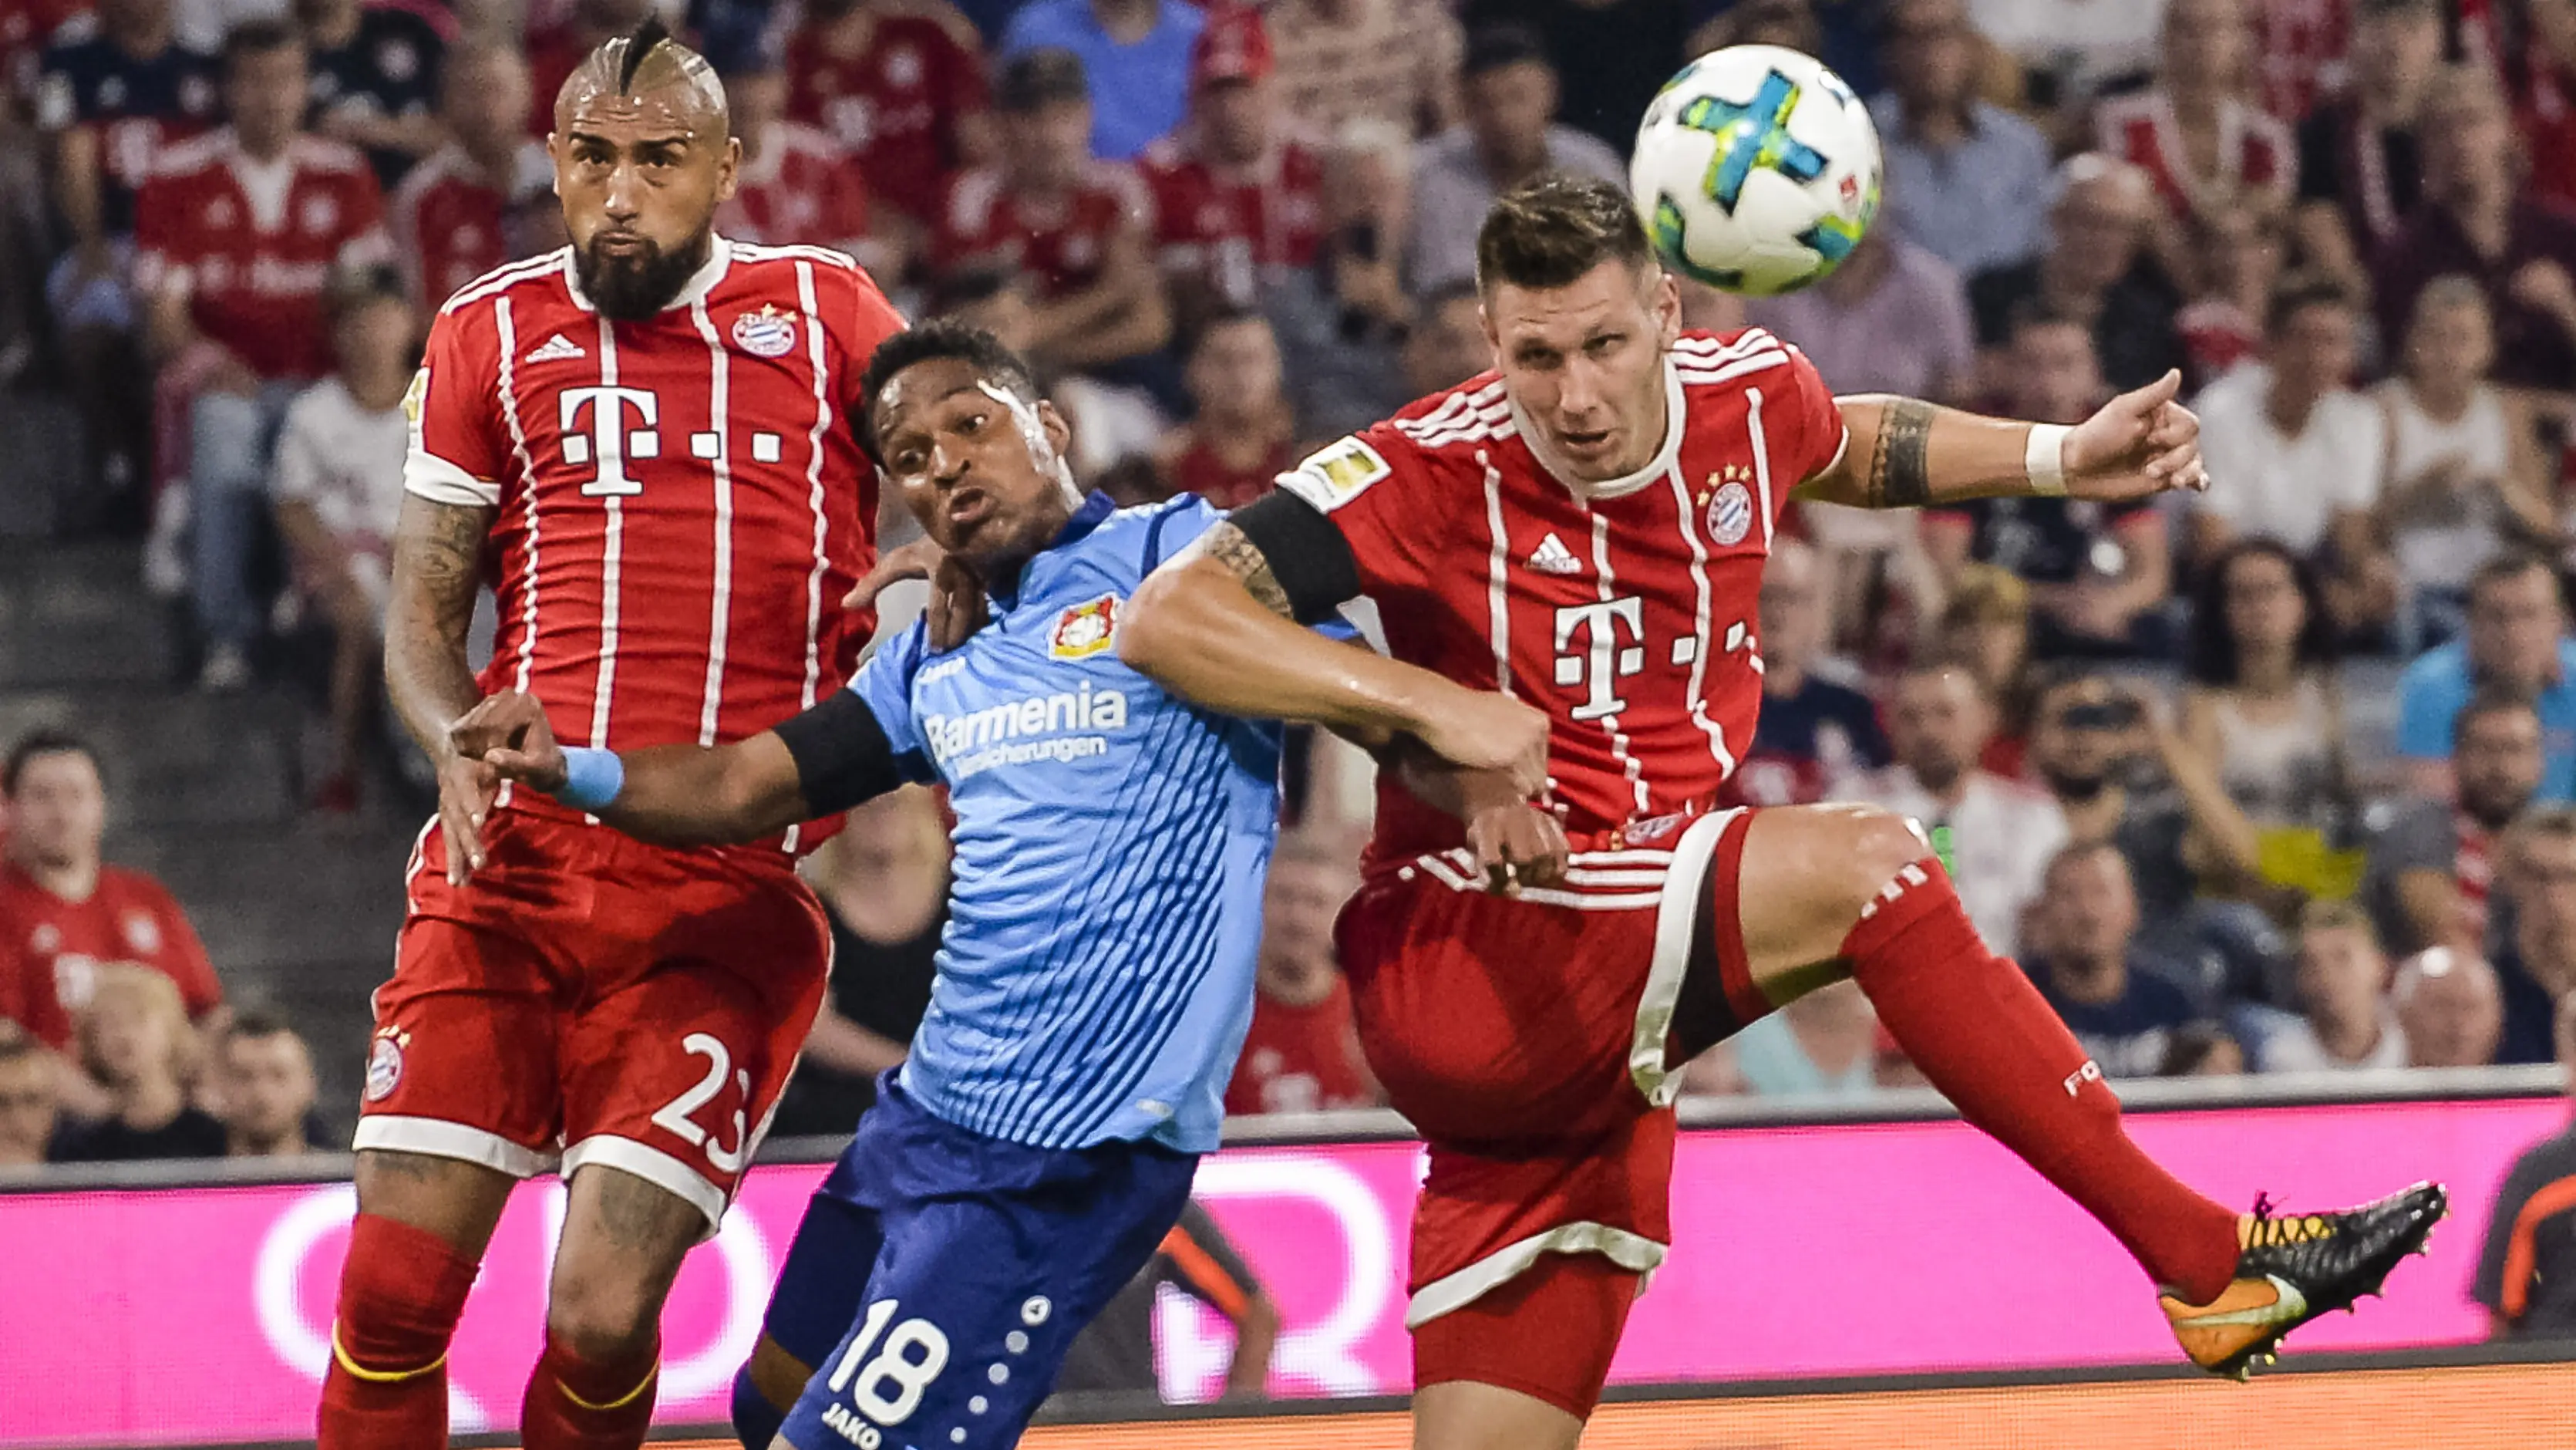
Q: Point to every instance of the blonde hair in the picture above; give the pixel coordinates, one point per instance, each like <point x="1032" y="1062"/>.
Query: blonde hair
<point x="156" y="995"/>
<point x="1986" y="594"/>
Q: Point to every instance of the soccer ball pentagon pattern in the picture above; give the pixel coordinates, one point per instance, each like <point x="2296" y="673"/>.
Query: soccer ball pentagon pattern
<point x="1756" y="170"/>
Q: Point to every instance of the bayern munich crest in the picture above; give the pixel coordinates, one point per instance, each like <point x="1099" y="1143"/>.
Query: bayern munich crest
<point x="766" y="333"/>
<point x="384" y="1067"/>
<point x="1730" y="514"/>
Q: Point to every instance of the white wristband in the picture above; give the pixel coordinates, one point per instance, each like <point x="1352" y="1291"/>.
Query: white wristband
<point x="2044" y="459"/>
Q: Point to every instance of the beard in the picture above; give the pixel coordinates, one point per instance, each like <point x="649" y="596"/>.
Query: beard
<point x="636" y="285"/>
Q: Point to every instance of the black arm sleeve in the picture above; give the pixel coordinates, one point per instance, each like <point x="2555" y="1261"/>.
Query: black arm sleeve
<point x="1306" y="554"/>
<point x="842" y="755"/>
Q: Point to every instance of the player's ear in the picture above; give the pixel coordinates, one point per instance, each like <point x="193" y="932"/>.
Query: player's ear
<point x="555" y="154"/>
<point x="1059" y="432"/>
<point x="1667" y="305"/>
<point x="729" y="169"/>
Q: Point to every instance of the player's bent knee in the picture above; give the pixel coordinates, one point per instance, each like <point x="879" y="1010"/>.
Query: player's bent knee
<point x="1880" y="844"/>
<point x="402" y="1289"/>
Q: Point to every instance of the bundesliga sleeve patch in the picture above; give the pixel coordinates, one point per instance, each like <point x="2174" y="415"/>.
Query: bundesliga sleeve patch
<point x="1335" y="474"/>
<point x="1085" y="629"/>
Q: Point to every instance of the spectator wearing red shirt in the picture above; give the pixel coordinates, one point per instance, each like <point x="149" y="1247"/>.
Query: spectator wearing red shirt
<point x="2545" y="99"/>
<point x="487" y="196"/>
<point x="2204" y="145"/>
<point x="2361" y="168"/>
<point x="64" y="912"/>
<point x="796" y="186"/>
<point x="2477" y="221"/>
<point x="1303" y="1053"/>
<point x="1066" y="238"/>
<point x="900" y="84"/>
<point x="239" y="233"/>
<point x="111" y="94"/>
<point x="1238" y="190"/>
<point x="1243" y="432"/>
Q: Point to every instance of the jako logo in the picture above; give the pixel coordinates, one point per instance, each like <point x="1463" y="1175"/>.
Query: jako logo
<point x="1085" y="709"/>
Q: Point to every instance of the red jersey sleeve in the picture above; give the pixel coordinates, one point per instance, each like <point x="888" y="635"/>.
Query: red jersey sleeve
<point x="1803" y="429"/>
<point x="458" y="455"/>
<point x="1375" y="486"/>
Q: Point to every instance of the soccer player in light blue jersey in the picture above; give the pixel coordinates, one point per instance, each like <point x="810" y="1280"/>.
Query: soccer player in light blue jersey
<point x="1095" y="978"/>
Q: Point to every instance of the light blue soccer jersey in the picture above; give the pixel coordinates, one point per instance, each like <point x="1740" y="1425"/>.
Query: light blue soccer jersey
<point x="1095" y="978"/>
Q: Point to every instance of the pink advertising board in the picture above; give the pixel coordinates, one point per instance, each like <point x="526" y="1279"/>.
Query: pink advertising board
<point x="201" y="1314"/>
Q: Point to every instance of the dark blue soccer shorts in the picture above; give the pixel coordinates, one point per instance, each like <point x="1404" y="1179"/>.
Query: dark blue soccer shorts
<point x="940" y="1276"/>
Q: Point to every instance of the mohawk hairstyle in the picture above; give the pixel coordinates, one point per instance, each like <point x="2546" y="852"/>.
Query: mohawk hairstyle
<point x="941" y="337"/>
<point x="648" y="37"/>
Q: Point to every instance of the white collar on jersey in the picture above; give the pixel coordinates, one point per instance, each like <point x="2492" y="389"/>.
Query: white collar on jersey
<point x="1655" y="468"/>
<point x="701" y="282"/>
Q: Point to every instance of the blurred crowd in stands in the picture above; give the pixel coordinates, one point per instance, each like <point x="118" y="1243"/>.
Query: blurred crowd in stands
<point x="2282" y="778"/>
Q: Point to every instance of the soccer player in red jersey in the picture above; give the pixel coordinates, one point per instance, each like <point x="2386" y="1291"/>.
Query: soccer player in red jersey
<point x="1586" y="531"/>
<point x="645" y="433"/>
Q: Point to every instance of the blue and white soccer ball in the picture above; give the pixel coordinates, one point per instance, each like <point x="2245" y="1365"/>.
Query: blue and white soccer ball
<point x="1756" y="170"/>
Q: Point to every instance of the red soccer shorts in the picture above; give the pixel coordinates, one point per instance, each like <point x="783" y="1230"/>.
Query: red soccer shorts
<point x="587" y="998"/>
<point x="1528" y="1037"/>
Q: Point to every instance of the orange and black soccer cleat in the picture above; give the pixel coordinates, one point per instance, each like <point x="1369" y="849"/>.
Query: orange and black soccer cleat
<point x="2289" y="1270"/>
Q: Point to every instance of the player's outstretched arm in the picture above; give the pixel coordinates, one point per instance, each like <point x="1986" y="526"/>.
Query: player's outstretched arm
<point x="1215" y="626"/>
<point x="1906" y="453"/>
<point x="827" y="759"/>
<point x="438" y="550"/>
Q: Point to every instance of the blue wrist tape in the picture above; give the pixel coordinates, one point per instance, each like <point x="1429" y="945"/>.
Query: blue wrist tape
<point x="592" y="778"/>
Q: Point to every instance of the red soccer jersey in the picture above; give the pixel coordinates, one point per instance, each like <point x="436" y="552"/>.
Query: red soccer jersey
<point x="452" y="223"/>
<point x="682" y="504"/>
<point x="1235" y="230"/>
<point x="1301" y="1059"/>
<point x="801" y="189"/>
<point x="891" y="90"/>
<point x="1626" y="610"/>
<point x="253" y="244"/>
<point x="50" y="948"/>
<point x="1062" y="242"/>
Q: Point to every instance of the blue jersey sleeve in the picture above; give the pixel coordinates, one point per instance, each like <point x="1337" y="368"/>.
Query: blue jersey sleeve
<point x="884" y="683"/>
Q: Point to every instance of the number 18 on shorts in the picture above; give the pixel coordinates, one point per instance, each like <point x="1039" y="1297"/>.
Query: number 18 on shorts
<point x="955" y="1271"/>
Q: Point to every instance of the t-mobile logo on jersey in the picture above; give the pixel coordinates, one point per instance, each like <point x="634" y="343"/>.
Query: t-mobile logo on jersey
<point x="1605" y="654"/>
<point x="608" y="443"/>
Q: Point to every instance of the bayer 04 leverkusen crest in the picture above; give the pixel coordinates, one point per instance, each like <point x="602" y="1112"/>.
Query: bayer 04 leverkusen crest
<point x="1085" y="629"/>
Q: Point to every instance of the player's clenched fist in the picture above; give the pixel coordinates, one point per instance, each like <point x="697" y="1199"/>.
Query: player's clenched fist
<point x="509" y="735"/>
<point x="1518" y="845"/>
<point x="1481" y="730"/>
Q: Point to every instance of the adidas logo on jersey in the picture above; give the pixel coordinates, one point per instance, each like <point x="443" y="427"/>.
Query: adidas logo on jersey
<point x="1552" y="557"/>
<point x="557" y="346"/>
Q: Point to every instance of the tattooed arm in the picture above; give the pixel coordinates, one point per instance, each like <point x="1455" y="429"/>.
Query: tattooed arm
<point x="1217" y="626"/>
<point x="1906" y="453"/>
<point x="438" y="549"/>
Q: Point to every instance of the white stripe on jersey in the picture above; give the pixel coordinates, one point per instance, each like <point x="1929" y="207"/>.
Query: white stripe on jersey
<point x="1498" y="598"/>
<point x="1688" y="517"/>
<point x="805" y="298"/>
<point x="1633" y="856"/>
<point x="504" y="277"/>
<point x="1709" y="350"/>
<point x="1636" y="772"/>
<point x="509" y="333"/>
<point x="1761" y="457"/>
<point x="720" y="610"/>
<point x="1739" y="367"/>
<point x="611" y="556"/>
<point x="1457" y="871"/>
<point x="763" y="252"/>
<point x="1464" y="417"/>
